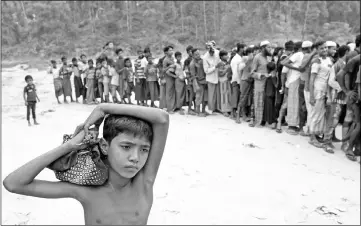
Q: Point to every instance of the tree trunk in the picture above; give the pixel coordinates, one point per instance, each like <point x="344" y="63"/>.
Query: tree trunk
<point x="181" y="12"/>
<point x="205" y="20"/>
<point x="305" y="21"/>
<point x="215" y="18"/>
<point x="197" y="30"/>
<point x="128" y="17"/>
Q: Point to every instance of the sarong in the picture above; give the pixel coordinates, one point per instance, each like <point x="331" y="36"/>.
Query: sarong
<point x="190" y="95"/>
<point x="302" y="105"/>
<point x="258" y="105"/>
<point x="225" y="89"/>
<point x="67" y="86"/>
<point x="245" y="93"/>
<point x="333" y="112"/>
<point x="170" y="93"/>
<point x="309" y="110"/>
<point x="58" y="86"/>
<point x="162" y="100"/>
<point x="180" y="88"/>
<point x="293" y="118"/>
<point x="78" y="85"/>
<point x="269" y="113"/>
<point x="235" y="94"/>
<point x="214" y="97"/>
<point x="140" y="90"/>
<point x="90" y="96"/>
<point x="318" y="117"/>
<point x="201" y="94"/>
<point x="153" y="90"/>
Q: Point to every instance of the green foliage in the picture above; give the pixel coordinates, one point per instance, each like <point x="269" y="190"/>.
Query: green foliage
<point x="49" y="29"/>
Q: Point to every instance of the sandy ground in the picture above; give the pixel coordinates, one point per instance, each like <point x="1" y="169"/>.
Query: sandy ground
<point x="213" y="170"/>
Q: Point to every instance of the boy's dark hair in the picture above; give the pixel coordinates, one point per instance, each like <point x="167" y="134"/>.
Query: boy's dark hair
<point x="357" y="40"/>
<point x="240" y="46"/>
<point x="82" y="55"/>
<point x="222" y="53"/>
<point x="166" y="49"/>
<point x="271" y="66"/>
<point x="319" y="43"/>
<point x="28" y="77"/>
<point x="298" y="46"/>
<point x="115" y="124"/>
<point x="342" y="50"/>
<point x="189" y="48"/>
<point x="53" y="61"/>
<point x="63" y="58"/>
<point x="289" y="46"/>
<point x="90" y="61"/>
<point x="74" y="59"/>
<point x="118" y="50"/>
<point x="277" y="50"/>
<point x="194" y="50"/>
<point x="177" y="54"/>
<point x="248" y="50"/>
<point x="147" y="50"/>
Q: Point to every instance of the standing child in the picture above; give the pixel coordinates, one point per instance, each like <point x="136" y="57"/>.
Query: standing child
<point x="30" y="97"/>
<point x="99" y="77"/>
<point x="58" y="81"/>
<point x="78" y="84"/>
<point x="224" y="84"/>
<point x="140" y="85"/>
<point x="133" y="140"/>
<point x="180" y="85"/>
<point x="114" y="82"/>
<point x="151" y="74"/>
<point x="90" y="76"/>
<point x="82" y="68"/>
<point x="190" y="95"/>
<point x="129" y="77"/>
<point x="65" y="72"/>
<point x="106" y="79"/>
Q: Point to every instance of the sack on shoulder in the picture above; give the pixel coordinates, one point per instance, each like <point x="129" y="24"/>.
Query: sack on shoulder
<point x="83" y="167"/>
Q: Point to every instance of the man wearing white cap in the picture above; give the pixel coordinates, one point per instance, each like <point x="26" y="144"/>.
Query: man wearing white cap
<point x="260" y="74"/>
<point x="356" y="51"/>
<point x="332" y="46"/>
<point x="292" y="83"/>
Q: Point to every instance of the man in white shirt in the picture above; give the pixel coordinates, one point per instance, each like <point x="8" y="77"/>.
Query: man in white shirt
<point x="292" y="83"/>
<point x="237" y="65"/>
<point x="210" y="60"/>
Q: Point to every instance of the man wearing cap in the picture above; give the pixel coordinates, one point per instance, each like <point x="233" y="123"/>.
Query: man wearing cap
<point x="210" y="60"/>
<point x="260" y="73"/>
<point x="292" y="83"/>
<point x="331" y="46"/>
<point x="335" y="98"/>
<point x="356" y="50"/>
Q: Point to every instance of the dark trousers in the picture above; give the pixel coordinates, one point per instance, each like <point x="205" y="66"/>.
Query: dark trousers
<point x="302" y="105"/>
<point x="31" y="106"/>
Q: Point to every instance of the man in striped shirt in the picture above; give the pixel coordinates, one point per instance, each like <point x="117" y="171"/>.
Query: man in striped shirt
<point x="140" y="81"/>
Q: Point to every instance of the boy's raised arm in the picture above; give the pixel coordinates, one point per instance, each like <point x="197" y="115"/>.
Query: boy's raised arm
<point x="22" y="181"/>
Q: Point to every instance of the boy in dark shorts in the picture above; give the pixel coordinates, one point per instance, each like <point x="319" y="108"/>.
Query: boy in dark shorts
<point x="129" y="77"/>
<point x="30" y="97"/>
<point x="133" y="140"/>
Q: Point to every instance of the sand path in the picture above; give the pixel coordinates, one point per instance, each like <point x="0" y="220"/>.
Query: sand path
<point x="213" y="171"/>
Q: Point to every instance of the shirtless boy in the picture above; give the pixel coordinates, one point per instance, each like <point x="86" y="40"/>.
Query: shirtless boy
<point x="133" y="140"/>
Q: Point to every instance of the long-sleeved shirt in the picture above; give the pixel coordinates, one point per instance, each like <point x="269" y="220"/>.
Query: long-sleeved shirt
<point x="259" y="66"/>
<point x="197" y="71"/>
<point x="209" y="66"/>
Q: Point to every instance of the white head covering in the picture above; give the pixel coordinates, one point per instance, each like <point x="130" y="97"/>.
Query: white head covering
<point x="251" y="46"/>
<point x="265" y="43"/>
<point x="352" y="46"/>
<point x="306" y="44"/>
<point x="331" y="44"/>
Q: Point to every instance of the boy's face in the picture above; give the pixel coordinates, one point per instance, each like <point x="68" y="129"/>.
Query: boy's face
<point x="127" y="154"/>
<point x="322" y="50"/>
<point x="53" y="64"/>
<point x="83" y="58"/>
<point x="225" y="57"/>
<point x="150" y="60"/>
<point x="99" y="65"/>
<point x="331" y="51"/>
<point x="29" y="81"/>
<point x="64" y="61"/>
<point x="140" y="54"/>
<point x="127" y="63"/>
<point x="90" y="64"/>
<point x="104" y="63"/>
<point x="179" y="58"/>
<point x="75" y="62"/>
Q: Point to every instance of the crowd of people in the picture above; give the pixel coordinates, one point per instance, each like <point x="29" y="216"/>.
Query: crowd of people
<point x="307" y="87"/>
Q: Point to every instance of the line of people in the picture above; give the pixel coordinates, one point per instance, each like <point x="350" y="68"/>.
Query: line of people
<point x="305" y="86"/>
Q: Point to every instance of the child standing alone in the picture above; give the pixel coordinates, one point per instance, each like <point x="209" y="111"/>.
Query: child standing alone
<point x="30" y="97"/>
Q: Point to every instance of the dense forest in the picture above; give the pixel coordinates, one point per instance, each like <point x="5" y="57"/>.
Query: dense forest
<point x="53" y="28"/>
